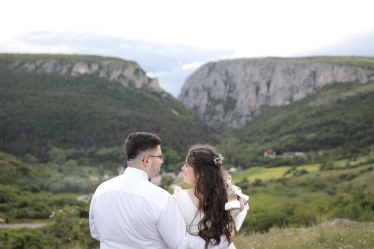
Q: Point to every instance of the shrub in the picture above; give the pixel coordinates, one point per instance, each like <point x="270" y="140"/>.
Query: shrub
<point x="357" y="208"/>
<point x="258" y="183"/>
<point x="327" y="166"/>
<point x="68" y="229"/>
<point x="243" y="184"/>
<point x="319" y="186"/>
<point x="23" y="238"/>
<point x="347" y="177"/>
<point x="311" y="213"/>
<point x="300" y="172"/>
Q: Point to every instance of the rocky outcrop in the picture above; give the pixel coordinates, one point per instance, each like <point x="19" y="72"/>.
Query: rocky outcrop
<point x="125" y="72"/>
<point x="230" y="93"/>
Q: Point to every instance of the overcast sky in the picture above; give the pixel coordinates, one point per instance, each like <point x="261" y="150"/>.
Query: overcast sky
<point x="170" y="39"/>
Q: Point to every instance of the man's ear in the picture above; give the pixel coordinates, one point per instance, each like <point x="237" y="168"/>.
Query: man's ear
<point x="146" y="160"/>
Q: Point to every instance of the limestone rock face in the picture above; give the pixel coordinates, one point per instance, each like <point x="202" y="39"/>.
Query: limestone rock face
<point x="126" y="73"/>
<point x="229" y="93"/>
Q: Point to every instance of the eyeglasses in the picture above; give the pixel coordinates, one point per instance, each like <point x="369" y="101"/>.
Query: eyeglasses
<point x="160" y="156"/>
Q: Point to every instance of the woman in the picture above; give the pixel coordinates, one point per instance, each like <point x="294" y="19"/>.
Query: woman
<point x="203" y="206"/>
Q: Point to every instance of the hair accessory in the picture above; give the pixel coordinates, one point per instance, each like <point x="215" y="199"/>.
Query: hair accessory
<point x="218" y="160"/>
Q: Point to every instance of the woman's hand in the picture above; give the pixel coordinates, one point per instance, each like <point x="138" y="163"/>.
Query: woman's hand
<point x="226" y="178"/>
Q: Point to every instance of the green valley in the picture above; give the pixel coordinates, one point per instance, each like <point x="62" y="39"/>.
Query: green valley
<point x="62" y="135"/>
<point x="339" y="120"/>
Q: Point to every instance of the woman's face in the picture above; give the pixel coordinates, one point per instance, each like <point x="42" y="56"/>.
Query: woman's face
<point x="189" y="174"/>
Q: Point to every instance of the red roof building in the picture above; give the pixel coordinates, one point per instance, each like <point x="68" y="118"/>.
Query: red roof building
<point x="270" y="153"/>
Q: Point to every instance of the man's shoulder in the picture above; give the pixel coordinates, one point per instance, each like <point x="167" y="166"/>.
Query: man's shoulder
<point x="107" y="184"/>
<point x="158" y="195"/>
<point x="158" y="190"/>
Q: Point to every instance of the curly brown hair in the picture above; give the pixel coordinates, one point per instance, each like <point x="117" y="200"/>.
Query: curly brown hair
<point x="211" y="192"/>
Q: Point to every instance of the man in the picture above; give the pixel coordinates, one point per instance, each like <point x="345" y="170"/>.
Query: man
<point x="129" y="211"/>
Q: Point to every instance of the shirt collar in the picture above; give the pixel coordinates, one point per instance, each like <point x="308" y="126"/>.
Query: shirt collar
<point x="136" y="172"/>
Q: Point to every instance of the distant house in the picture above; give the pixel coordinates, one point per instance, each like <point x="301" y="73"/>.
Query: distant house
<point x="319" y="152"/>
<point x="270" y="153"/>
<point x="292" y="154"/>
<point x="233" y="170"/>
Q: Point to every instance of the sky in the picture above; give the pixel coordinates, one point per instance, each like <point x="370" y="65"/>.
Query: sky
<point x="170" y="39"/>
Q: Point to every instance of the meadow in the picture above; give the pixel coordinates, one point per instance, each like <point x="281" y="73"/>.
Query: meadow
<point x="339" y="234"/>
<point x="265" y="174"/>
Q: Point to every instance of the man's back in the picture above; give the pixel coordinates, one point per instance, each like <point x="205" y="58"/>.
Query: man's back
<point x="125" y="210"/>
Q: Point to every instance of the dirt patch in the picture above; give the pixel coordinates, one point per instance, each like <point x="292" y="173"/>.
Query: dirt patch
<point x="349" y="223"/>
<point x="13" y="226"/>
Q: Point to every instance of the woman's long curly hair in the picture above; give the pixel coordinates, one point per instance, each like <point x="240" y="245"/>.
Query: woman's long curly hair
<point x="211" y="192"/>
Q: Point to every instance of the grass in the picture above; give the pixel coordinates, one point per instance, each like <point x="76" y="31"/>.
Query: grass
<point x="262" y="173"/>
<point x="266" y="200"/>
<point x="310" y="168"/>
<point x="337" y="234"/>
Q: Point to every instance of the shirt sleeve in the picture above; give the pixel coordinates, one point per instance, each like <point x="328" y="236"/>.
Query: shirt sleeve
<point x="172" y="228"/>
<point x="93" y="230"/>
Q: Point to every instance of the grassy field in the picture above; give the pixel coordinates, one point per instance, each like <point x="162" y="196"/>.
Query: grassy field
<point x="259" y="200"/>
<point x="262" y="173"/>
<point x="337" y="234"/>
<point x="276" y="190"/>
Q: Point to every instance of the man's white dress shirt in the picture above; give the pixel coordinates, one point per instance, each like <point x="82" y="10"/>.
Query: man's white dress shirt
<point x="128" y="211"/>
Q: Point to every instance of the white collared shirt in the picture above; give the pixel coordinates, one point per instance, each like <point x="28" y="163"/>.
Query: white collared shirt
<point x="130" y="212"/>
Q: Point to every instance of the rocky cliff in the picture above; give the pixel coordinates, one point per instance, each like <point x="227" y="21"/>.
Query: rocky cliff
<point x="230" y="93"/>
<point x="117" y="70"/>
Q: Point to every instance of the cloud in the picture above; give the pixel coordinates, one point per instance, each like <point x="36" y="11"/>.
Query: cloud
<point x="359" y="44"/>
<point x="170" y="63"/>
<point x="192" y="65"/>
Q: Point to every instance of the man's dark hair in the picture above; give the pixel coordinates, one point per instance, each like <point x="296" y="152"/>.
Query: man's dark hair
<point x="138" y="142"/>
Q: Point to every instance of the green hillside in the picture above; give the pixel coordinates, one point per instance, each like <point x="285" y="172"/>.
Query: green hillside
<point x="16" y="173"/>
<point x="42" y="111"/>
<point x="86" y="118"/>
<point x="340" y="117"/>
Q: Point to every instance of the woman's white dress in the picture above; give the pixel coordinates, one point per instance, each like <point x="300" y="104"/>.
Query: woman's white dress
<point x="192" y="216"/>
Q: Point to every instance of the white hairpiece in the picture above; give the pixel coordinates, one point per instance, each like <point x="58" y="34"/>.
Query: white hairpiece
<point x="218" y="160"/>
